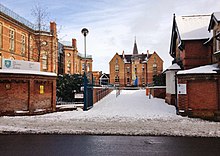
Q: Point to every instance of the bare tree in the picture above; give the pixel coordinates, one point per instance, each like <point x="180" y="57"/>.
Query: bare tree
<point x="41" y="19"/>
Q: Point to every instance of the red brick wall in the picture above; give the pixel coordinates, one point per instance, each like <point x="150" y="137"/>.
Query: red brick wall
<point x="15" y="97"/>
<point x="196" y="54"/>
<point x="22" y="93"/>
<point x="202" y="96"/>
<point x="159" y="92"/>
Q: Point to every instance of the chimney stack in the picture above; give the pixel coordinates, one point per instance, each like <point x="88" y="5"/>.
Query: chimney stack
<point x="74" y="43"/>
<point x="53" y="28"/>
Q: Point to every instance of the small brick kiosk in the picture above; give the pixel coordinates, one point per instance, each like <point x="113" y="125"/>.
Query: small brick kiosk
<point x="198" y="92"/>
<point x="27" y="92"/>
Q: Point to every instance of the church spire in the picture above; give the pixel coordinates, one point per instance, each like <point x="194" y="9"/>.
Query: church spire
<point x="135" y="50"/>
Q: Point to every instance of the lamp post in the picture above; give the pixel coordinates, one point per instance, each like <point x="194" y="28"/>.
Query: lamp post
<point x="85" y="31"/>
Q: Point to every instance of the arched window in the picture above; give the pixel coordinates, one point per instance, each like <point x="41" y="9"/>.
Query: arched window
<point x="116" y="61"/>
<point x="44" y="61"/>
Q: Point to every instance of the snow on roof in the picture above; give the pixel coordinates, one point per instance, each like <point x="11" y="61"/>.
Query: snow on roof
<point x="174" y="66"/>
<point x="217" y="15"/>
<point x="207" y="69"/>
<point x="66" y="43"/>
<point x="193" y="27"/>
<point x="29" y="72"/>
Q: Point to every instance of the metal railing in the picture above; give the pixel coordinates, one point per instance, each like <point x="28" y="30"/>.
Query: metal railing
<point x="18" y="18"/>
<point x="15" y="16"/>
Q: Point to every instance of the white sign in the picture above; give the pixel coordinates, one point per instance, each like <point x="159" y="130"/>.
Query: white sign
<point x="79" y="96"/>
<point x="20" y="64"/>
<point x="181" y="88"/>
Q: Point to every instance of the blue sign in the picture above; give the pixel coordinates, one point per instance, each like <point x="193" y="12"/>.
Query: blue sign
<point x="7" y="63"/>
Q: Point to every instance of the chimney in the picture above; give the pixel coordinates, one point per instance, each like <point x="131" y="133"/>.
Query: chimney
<point x="74" y="43"/>
<point x="53" y="28"/>
<point x="123" y="54"/>
<point x="148" y="53"/>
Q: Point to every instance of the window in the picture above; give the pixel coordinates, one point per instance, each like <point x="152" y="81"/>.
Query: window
<point x="154" y="69"/>
<point x="135" y="69"/>
<point x="1" y="36"/>
<point x="116" y="68"/>
<point x="143" y="69"/>
<point x="217" y="42"/>
<point x="116" y="61"/>
<point x="117" y="79"/>
<point x="44" y="61"/>
<point x="128" y="69"/>
<point x="88" y="65"/>
<point x="23" y="41"/>
<point x="68" y="66"/>
<point x="12" y="39"/>
<point x="83" y="66"/>
<point x="128" y="80"/>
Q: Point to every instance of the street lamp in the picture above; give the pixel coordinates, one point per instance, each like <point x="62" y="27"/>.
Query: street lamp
<point x="85" y="31"/>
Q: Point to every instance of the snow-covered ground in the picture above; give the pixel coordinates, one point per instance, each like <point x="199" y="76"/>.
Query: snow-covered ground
<point x="131" y="113"/>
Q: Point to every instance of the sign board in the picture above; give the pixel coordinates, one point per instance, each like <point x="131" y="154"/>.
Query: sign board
<point x="41" y="89"/>
<point x="181" y="88"/>
<point x="20" y="65"/>
<point x="79" y="96"/>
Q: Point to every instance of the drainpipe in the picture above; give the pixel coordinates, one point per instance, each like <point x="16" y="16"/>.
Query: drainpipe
<point x="176" y="94"/>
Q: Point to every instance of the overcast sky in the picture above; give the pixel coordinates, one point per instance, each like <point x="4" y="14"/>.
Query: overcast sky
<point x="113" y="24"/>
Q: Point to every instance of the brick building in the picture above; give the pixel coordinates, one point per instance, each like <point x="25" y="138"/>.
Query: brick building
<point x="189" y="33"/>
<point x="19" y="41"/>
<point x="27" y="90"/>
<point x="71" y="61"/>
<point x="188" y="48"/>
<point x="198" y="87"/>
<point x="134" y="69"/>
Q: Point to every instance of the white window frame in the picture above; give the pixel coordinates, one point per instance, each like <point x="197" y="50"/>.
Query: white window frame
<point x="1" y="35"/>
<point x="44" y="61"/>
<point x="12" y="39"/>
<point x="23" y="44"/>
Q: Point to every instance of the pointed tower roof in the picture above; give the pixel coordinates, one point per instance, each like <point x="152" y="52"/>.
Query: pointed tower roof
<point x="135" y="50"/>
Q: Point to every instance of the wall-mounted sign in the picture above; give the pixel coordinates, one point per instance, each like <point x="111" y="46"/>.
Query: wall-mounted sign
<point x="41" y="89"/>
<point x="79" y="96"/>
<point x="20" y="64"/>
<point x="181" y="88"/>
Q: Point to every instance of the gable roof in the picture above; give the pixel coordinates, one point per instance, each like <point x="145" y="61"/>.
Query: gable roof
<point x="104" y="76"/>
<point x="193" y="27"/>
<point x="215" y="18"/>
<point x="188" y="28"/>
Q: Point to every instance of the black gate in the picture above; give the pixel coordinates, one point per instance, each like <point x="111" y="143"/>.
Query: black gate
<point x="88" y="92"/>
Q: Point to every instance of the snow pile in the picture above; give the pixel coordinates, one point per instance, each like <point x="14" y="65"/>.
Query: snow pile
<point x="131" y="113"/>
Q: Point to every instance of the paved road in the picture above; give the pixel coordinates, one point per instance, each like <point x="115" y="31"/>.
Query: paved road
<point x="65" y="145"/>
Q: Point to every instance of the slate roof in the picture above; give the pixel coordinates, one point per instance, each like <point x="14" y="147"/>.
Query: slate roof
<point x="143" y="57"/>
